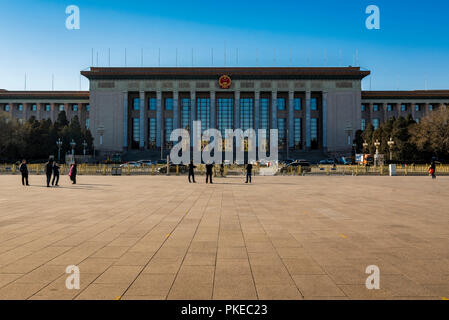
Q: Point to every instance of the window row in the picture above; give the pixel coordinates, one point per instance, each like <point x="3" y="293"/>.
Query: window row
<point x="46" y="107"/>
<point x="402" y="107"/>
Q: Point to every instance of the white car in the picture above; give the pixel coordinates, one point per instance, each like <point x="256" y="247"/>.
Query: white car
<point x="131" y="164"/>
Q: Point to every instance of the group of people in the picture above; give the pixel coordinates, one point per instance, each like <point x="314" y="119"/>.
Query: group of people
<point x="210" y="166"/>
<point x="51" y="170"/>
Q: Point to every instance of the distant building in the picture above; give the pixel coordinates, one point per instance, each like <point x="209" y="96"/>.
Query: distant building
<point x="137" y="108"/>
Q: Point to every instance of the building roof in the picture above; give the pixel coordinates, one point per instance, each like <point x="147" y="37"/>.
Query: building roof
<point x="51" y="95"/>
<point x="241" y="73"/>
<point x="417" y="94"/>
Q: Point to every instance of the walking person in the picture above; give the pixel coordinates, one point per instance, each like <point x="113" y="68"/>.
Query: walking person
<point x="192" y="171"/>
<point x="55" y="174"/>
<point x="249" y="170"/>
<point x="49" y="171"/>
<point x="24" y="171"/>
<point x="432" y="168"/>
<point x="72" y="173"/>
<point x="209" y="167"/>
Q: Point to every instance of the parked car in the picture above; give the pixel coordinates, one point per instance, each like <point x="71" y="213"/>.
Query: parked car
<point x="144" y="163"/>
<point x="172" y="167"/>
<point x="304" y="164"/>
<point x="131" y="164"/>
<point x="328" y="161"/>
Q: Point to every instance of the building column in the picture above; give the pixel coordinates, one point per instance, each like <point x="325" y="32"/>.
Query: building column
<point x="25" y="111"/>
<point x="53" y="114"/>
<point x="159" y="119"/>
<point x="125" y="120"/>
<point x="192" y="115"/>
<point x="274" y="110"/>
<point x="291" y="97"/>
<point x="307" y="124"/>
<point x="370" y="106"/>
<point x="237" y="109"/>
<point x="213" y="111"/>
<point x="257" y="115"/>
<point x="142" y="120"/>
<point x="413" y="105"/>
<point x="175" y="110"/>
<point x="324" y="121"/>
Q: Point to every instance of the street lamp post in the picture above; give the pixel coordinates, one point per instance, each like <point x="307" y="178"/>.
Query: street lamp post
<point x="365" y="146"/>
<point x="59" y="144"/>
<point x="391" y="145"/>
<point x="72" y="145"/>
<point x="377" y="145"/>
<point x="84" y="149"/>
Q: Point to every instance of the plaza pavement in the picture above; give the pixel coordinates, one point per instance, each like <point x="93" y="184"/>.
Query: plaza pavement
<point x="157" y="237"/>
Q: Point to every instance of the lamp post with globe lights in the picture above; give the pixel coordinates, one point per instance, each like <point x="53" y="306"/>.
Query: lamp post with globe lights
<point x="59" y="145"/>
<point x="391" y="145"/>
<point x="72" y="145"/>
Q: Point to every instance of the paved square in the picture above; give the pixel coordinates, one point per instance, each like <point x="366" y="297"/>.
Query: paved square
<point x="152" y="237"/>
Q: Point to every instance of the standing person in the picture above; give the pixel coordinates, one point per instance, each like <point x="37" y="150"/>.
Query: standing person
<point x="222" y="170"/>
<point x="249" y="170"/>
<point x="192" y="171"/>
<point x="55" y="174"/>
<point x="49" y="171"/>
<point x="72" y="173"/>
<point x="209" y="167"/>
<point x="432" y="168"/>
<point x="24" y="171"/>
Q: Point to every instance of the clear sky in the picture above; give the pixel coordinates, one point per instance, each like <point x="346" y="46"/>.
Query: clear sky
<point x="410" y="51"/>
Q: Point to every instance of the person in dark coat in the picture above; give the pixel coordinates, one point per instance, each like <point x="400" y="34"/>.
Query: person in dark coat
<point x="55" y="174"/>
<point x="433" y="168"/>
<point x="24" y="171"/>
<point x="249" y="169"/>
<point x="209" y="167"/>
<point x="49" y="171"/>
<point x="192" y="171"/>
<point x="73" y="172"/>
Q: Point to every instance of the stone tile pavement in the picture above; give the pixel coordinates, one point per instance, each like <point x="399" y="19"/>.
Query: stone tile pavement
<point x="146" y="237"/>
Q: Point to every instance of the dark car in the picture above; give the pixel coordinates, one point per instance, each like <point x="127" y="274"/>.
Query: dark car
<point x="182" y="168"/>
<point x="304" y="164"/>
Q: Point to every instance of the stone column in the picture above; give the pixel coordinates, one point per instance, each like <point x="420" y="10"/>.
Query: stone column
<point x="142" y="120"/>
<point x="192" y="114"/>
<point x="257" y="115"/>
<point x="25" y="107"/>
<point x="413" y="106"/>
<point x="125" y="120"/>
<point x="213" y="111"/>
<point x="237" y="109"/>
<point x="324" y="121"/>
<point x="291" y="97"/>
<point x="176" y="124"/>
<point x="307" y="122"/>
<point x="370" y="106"/>
<point x="159" y="119"/>
<point x="274" y="110"/>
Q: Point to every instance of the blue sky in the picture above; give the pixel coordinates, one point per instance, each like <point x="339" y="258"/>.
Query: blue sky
<point x="410" y="51"/>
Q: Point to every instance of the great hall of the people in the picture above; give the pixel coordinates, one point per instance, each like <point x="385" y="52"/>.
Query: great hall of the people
<point x="137" y="108"/>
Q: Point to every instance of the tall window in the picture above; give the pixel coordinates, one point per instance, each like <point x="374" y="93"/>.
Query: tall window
<point x="389" y="107"/>
<point x="168" y="129"/>
<point x="6" y="107"/>
<point x="403" y="107"/>
<point x="136" y="104"/>
<point x="363" y="108"/>
<point x="47" y="107"/>
<point x="297" y="127"/>
<point x="281" y="104"/>
<point x="314" y="129"/>
<point x="417" y="107"/>
<point x="246" y="113"/>
<point x="136" y="130"/>
<point x="363" y="125"/>
<point x="185" y="113"/>
<point x="20" y="107"/>
<point x="88" y="107"/>
<point x="264" y="114"/>
<point x="75" y="107"/>
<point x="282" y="136"/>
<point x="34" y="107"/>
<point x="313" y="104"/>
<point x="375" y="107"/>
<point x="87" y="123"/>
<point x="152" y="104"/>
<point x="297" y="104"/>
<point x="168" y="104"/>
<point x="152" y="132"/>
<point x="376" y="123"/>
<point x="203" y="113"/>
<point x="430" y="107"/>
<point x="61" y="107"/>
<point x="225" y="118"/>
